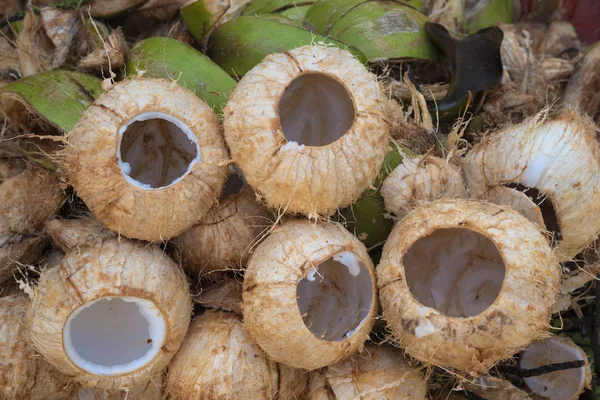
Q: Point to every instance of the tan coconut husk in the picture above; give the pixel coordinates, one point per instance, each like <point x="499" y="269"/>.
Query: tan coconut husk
<point x="121" y="202"/>
<point x="10" y="7"/>
<point x="9" y="288"/>
<point x="558" y="385"/>
<point x="67" y="234"/>
<point x="225" y="295"/>
<point x="479" y="321"/>
<point x="573" y="281"/>
<point x="419" y="180"/>
<point x="408" y="133"/>
<point x="293" y="383"/>
<point x="338" y="309"/>
<point x="218" y="360"/>
<point x="560" y="158"/>
<point x="517" y="200"/>
<point x="583" y="87"/>
<point x="34" y="46"/>
<point x="318" y="389"/>
<point x="9" y="60"/>
<point x="317" y="176"/>
<point x="113" y="269"/>
<point x="24" y="375"/>
<point x="225" y="237"/>
<point x="111" y="54"/>
<point x="17" y="252"/>
<point x="493" y="388"/>
<point x="151" y="390"/>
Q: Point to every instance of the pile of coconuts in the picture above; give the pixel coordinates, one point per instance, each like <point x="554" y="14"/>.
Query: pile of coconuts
<point x="320" y="200"/>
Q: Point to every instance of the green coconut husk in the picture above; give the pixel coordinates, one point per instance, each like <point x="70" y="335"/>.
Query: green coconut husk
<point x="258" y="7"/>
<point x="382" y="30"/>
<point x="488" y="13"/>
<point x="240" y="44"/>
<point x="166" y="58"/>
<point x="296" y="13"/>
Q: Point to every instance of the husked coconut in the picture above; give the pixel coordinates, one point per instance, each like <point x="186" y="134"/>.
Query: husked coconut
<point x="24" y="375"/>
<point x="225" y="295"/>
<point x="151" y="390"/>
<point x="309" y="295"/>
<point x="554" y="162"/>
<point x="307" y="129"/>
<point x="493" y="388"/>
<point x="148" y="159"/>
<point x="464" y="284"/>
<point x="318" y="388"/>
<point x="71" y="233"/>
<point x="111" y="315"/>
<point x="218" y="360"/>
<point x="293" y="383"/>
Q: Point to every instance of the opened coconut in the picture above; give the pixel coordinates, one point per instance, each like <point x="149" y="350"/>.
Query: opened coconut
<point x="147" y="158"/>
<point x="111" y="315"/>
<point x="309" y="296"/>
<point x="307" y="129"/>
<point x="218" y="360"/>
<point x="464" y="284"/>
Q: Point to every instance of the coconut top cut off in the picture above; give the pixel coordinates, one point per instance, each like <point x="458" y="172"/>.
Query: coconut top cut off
<point x="307" y="129"/>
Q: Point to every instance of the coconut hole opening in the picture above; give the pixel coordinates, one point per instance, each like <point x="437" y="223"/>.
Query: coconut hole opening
<point x="546" y="208"/>
<point x="335" y="298"/>
<point x="235" y="183"/>
<point x="114" y="335"/>
<point x="457" y="271"/>
<point x="156" y="150"/>
<point x="315" y="110"/>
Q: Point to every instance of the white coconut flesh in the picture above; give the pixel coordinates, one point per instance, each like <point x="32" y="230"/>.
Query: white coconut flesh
<point x="315" y="110"/>
<point x="335" y="297"/>
<point x="114" y="335"/>
<point x="156" y="150"/>
<point x="557" y="385"/>
<point x="456" y="271"/>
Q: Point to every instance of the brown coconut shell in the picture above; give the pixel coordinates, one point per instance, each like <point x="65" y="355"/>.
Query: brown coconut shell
<point x="290" y="176"/>
<point x="418" y="180"/>
<point x="114" y="268"/>
<point x="92" y="166"/>
<point x="560" y="158"/>
<point x="218" y="360"/>
<point x="292" y="256"/>
<point x="224" y="238"/>
<point x="24" y="375"/>
<point x="67" y="234"/>
<point x="469" y="342"/>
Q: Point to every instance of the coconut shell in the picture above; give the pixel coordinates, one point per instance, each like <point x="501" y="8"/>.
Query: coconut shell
<point x="560" y="158"/>
<point x="73" y="233"/>
<point x="113" y="268"/>
<point x="133" y="211"/>
<point x="151" y="390"/>
<point x="312" y="180"/>
<point x="418" y="180"/>
<point x="471" y="345"/>
<point x="24" y="375"/>
<point x="289" y="257"/>
<point x="225" y="237"/>
<point x="218" y="360"/>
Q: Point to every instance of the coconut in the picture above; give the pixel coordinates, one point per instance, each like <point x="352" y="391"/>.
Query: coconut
<point x="225" y="295"/>
<point x="554" y="162"/>
<point x="147" y="158"/>
<point x="418" y="180"/>
<point x="582" y="90"/>
<point x="307" y="129"/>
<point x="293" y="383"/>
<point x="112" y="315"/>
<point x="558" y="385"/>
<point x="224" y="238"/>
<point x="464" y="284"/>
<point x="493" y="388"/>
<point x="70" y="233"/>
<point x="111" y="54"/>
<point x="151" y="390"/>
<point x="309" y="296"/>
<point x="218" y="360"/>
<point x="24" y="375"/>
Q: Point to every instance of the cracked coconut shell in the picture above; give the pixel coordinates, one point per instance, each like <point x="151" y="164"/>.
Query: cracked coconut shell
<point x="112" y="274"/>
<point x="117" y="163"/>
<point x="464" y="284"/>
<point x="309" y="296"/>
<point x="560" y="158"/>
<point x="280" y="128"/>
<point x="218" y="360"/>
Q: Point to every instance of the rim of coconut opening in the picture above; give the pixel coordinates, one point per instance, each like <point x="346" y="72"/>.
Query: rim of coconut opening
<point x="326" y="88"/>
<point x="478" y="294"/>
<point x="125" y="167"/>
<point x="341" y="277"/>
<point x="114" y="335"/>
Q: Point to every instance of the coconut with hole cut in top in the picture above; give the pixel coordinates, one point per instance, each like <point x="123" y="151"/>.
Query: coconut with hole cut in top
<point x="565" y="384"/>
<point x="464" y="284"/>
<point x="217" y="360"/>
<point x="309" y="295"/>
<point x="148" y="159"/>
<point x="111" y="315"/>
<point x="554" y="162"/>
<point x="307" y="129"/>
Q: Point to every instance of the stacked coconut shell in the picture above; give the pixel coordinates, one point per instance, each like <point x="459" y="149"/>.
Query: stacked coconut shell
<point x="335" y="199"/>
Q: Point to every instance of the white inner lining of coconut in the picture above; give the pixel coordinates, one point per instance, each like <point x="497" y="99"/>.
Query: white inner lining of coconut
<point x="114" y="335"/>
<point x="457" y="271"/>
<point x="557" y="385"/>
<point x="335" y="297"/>
<point x="315" y="110"/>
<point x="156" y="150"/>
